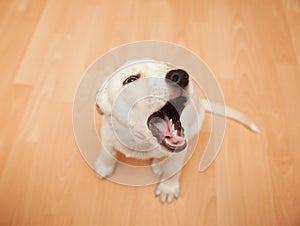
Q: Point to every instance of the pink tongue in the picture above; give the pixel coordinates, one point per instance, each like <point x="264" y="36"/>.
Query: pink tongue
<point x="167" y="129"/>
<point x="164" y="127"/>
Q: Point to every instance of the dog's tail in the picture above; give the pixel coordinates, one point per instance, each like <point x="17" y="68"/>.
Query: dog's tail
<point x="231" y="113"/>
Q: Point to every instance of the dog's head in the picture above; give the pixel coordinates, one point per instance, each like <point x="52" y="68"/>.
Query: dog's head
<point x="147" y="98"/>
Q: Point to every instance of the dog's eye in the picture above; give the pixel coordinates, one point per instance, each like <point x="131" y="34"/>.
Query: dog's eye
<point x="131" y="78"/>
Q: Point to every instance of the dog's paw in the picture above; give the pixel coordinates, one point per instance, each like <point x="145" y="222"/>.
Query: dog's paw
<point x="104" y="171"/>
<point x="167" y="192"/>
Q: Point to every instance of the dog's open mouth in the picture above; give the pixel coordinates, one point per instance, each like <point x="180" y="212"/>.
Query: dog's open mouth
<point x="165" y="125"/>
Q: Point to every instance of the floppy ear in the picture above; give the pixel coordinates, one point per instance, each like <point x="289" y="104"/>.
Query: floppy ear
<point x="102" y="101"/>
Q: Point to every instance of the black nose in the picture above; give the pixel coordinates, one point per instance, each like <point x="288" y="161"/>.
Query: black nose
<point x="178" y="76"/>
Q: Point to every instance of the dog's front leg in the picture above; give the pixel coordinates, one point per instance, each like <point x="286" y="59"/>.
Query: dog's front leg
<point x="168" y="188"/>
<point x="106" y="162"/>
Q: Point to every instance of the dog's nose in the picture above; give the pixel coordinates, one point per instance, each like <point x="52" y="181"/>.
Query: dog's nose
<point x="178" y="76"/>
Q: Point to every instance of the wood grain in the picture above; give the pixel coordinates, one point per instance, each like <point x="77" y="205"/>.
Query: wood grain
<point x="252" y="46"/>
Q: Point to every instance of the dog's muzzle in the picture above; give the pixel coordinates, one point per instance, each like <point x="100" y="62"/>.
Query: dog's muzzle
<point x="165" y="123"/>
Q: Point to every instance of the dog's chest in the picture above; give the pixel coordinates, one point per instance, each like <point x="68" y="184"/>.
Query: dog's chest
<point x="139" y="154"/>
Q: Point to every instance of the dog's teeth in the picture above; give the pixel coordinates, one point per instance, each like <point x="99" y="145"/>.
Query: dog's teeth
<point x="174" y="133"/>
<point x="170" y="122"/>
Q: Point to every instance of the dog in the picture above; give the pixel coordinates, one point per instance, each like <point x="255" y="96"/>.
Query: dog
<point x="147" y="114"/>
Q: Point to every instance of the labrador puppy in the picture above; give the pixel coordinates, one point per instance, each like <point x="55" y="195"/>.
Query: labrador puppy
<point x="147" y="114"/>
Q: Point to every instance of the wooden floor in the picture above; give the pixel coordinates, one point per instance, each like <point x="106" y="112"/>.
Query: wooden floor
<point x="252" y="46"/>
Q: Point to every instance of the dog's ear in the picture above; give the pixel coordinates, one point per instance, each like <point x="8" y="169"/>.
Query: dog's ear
<point x="102" y="100"/>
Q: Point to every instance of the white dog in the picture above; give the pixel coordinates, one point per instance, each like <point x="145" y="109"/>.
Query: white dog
<point x="148" y="115"/>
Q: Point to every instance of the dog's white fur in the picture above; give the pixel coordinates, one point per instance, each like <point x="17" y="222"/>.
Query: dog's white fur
<point x="124" y="124"/>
